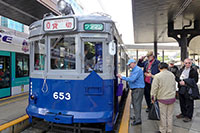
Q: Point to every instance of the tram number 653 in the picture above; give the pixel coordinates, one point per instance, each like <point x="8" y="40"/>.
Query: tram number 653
<point x="61" y="95"/>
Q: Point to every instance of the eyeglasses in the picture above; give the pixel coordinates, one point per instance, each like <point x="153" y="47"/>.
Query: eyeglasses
<point x="187" y="63"/>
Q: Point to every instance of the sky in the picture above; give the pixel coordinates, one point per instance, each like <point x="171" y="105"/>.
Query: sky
<point x="120" y="12"/>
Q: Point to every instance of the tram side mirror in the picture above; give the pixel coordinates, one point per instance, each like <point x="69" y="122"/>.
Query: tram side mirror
<point x="112" y="48"/>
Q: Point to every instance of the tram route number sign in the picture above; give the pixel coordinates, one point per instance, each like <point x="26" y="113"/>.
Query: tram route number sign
<point x="93" y="26"/>
<point x="62" y="96"/>
<point x="59" y="24"/>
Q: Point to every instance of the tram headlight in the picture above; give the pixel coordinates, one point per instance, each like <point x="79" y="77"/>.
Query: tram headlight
<point x="61" y="5"/>
<point x="33" y="98"/>
<point x="64" y="7"/>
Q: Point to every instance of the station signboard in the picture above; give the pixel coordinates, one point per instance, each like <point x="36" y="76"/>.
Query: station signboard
<point x="59" y="24"/>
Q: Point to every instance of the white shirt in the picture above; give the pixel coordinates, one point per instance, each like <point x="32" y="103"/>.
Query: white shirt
<point x="185" y="73"/>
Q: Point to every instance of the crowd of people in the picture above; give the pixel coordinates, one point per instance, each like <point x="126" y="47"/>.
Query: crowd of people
<point x="158" y="81"/>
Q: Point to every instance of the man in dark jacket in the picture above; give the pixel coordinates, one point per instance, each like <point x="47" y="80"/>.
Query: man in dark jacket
<point x="150" y="69"/>
<point x="192" y="88"/>
<point x="186" y="103"/>
<point x="172" y="68"/>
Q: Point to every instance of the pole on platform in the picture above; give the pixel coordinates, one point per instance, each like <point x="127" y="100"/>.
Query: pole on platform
<point x="155" y="49"/>
<point x="183" y="45"/>
<point x="163" y="55"/>
<point x="137" y="55"/>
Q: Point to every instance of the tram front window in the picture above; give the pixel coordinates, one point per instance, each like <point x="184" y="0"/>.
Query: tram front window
<point x="39" y="55"/>
<point x="4" y="72"/>
<point x="93" y="57"/>
<point x="63" y="55"/>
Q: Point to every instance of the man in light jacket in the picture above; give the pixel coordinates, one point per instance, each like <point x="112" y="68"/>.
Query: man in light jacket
<point x="164" y="90"/>
<point x="136" y="84"/>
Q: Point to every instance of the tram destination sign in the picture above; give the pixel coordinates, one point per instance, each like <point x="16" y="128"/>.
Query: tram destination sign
<point x="93" y="26"/>
<point x="58" y="24"/>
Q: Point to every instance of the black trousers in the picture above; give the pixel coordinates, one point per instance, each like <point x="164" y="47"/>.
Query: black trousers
<point x="186" y="105"/>
<point x="147" y="90"/>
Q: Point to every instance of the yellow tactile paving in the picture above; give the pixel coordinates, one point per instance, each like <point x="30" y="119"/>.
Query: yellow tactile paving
<point x="124" y="125"/>
<point x="14" y="122"/>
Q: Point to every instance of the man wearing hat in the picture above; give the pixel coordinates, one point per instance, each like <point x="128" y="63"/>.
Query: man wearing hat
<point x="136" y="84"/>
<point x="150" y="69"/>
<point x="172" y="68"/>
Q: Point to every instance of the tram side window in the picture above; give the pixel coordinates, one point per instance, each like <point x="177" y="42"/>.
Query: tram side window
<point x="63" y="53"/>
<point x="39" y="55"/>
<point x="119" y="60"/>
<point x="22" y="65"/>
<point x="93" y="57"/>
<point x="122" y="61"/>
<point x="123" y="65"/>
<point x="4" y="72"/>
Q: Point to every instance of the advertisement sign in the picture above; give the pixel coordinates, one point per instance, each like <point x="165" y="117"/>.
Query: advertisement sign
<point x="12" y="43"/>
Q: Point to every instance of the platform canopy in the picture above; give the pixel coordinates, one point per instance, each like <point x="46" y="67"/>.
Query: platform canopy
<point x="151" y="17"/>
<point x="26" y="11"/>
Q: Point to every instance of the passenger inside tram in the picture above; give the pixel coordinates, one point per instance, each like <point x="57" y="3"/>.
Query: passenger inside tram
<point x="37" y="66"/>
<point x="39" y="62"/>
<point x="19" y="72"/>
<point x="4" y="78"/>
<point x="1" y="74"/>
<point x="93" y="57"/>
<point x="63" y="53"/>
<point x="55" y="64"/>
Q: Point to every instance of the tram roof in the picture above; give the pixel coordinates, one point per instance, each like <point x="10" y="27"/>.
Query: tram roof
<point x="97" y="17"/>
<point x="89" y="17"/>
<point x="93" y="18"/>
<point x="81" y="18"/>
<point x="151" y="17"/>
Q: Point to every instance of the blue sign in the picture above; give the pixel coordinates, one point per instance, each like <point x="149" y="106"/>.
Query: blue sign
<point x="6" y="38"/>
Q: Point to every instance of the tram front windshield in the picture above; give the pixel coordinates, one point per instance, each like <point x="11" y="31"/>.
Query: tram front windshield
<point x="63" y="53"/>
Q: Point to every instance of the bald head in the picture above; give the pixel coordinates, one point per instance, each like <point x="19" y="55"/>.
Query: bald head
<point x="187" y="63"/>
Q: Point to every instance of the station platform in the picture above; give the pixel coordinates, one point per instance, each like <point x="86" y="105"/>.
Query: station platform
<point x="151" y="126"/>
<point x="13" y="110"/>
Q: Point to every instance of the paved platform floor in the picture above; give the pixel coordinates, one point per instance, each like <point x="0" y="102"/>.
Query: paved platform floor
<point x="150" y="126"/>
<point x="13" y="108"/>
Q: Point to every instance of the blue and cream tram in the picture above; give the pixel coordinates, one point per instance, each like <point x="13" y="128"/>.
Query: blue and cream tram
<point x="73" y="66"/>
<point x="14" y="65"/>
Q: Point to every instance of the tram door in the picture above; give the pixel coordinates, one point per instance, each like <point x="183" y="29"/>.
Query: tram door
<point x="5" y="82"/>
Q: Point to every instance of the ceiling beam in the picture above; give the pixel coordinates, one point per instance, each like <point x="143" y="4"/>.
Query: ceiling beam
<point x="151" y="47"/>
<point x="18" y="10"/>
